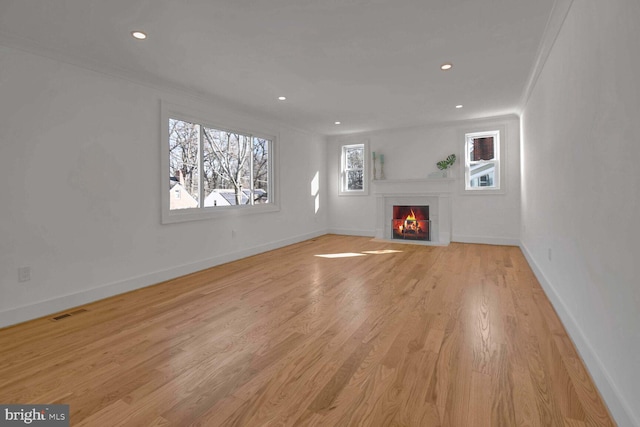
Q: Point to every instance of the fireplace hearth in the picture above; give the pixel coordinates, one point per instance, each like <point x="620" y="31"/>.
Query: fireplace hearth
<point x="411" y="223"/>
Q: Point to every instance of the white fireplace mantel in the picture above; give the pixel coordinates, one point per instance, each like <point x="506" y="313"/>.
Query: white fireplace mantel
<point x="411" y="186"/>
<point x="435" y="193"/>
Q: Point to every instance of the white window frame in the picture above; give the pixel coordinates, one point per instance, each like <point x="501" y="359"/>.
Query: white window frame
<point x="498" y="133"/>
<point x="342" y="181"/>
<point x="168" y="216"/>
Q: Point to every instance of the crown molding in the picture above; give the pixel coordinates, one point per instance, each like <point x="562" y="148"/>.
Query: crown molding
<point x="147" y="80"/>
<point x="552" y="30"/>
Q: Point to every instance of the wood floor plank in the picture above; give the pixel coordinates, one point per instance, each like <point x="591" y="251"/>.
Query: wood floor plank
<point x="399" y="335"/>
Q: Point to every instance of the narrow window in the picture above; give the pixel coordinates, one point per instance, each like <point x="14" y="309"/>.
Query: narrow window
<point x="352" y="171"/>
<point x="482" y="161"/>
<point x="184" y="162"/>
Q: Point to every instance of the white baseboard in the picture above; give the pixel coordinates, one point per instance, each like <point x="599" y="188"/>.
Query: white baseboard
<point x="38" y="309"/>
<point x="485" y="240"/>
<point x="445" y="237"/>
<point x="614" y="399"/>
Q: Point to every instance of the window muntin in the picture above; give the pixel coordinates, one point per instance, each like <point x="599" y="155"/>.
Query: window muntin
<point x="353" y="168"/>
<point x="211" y="168"/>
<point x="482" y="161"/>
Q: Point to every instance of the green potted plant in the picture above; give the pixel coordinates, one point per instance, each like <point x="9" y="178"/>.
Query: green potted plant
<point x="445" y="164"/>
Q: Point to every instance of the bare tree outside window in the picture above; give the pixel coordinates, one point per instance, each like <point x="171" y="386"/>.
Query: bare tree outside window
<point x="184" y="141"/>
<point x="353" y="167"/>
<point x="226" y="160"/>
<point x="211" y="167"/>
<point x="261" y="169"/>
<point x="214" y="171"/>
<point x="235" y="162"/>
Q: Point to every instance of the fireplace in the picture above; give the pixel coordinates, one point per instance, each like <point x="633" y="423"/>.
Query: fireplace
<point x="411" y="223"/>
<point x="434" y="193"/>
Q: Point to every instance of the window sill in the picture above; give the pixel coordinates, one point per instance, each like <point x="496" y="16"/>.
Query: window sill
<point x="185" y="215"/>
<point x="483" y="192"/>
<point x="353" y="193"/>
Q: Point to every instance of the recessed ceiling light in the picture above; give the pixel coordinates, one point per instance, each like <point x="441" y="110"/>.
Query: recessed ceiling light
<point x="282" y="98"/>
<point x="459" y="106"/>
<point x="337" y="123"/>
<point x="446" y="66"/>
<point x="139" y="35"/>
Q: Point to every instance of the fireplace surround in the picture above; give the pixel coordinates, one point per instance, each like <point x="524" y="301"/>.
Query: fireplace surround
<point x="435" y="193"/>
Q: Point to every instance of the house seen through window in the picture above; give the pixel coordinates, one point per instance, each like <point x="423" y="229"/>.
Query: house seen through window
<point x="211" y="168"/>
<point x="482" y="160"/>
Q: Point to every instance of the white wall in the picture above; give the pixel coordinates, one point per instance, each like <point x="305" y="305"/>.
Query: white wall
<point x="81" y="183"/>
<point x="581" y="192"/>
<point x="412" y="153"/>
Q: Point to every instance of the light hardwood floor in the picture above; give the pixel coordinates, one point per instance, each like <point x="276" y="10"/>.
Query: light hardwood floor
<point x="423" y="336"/>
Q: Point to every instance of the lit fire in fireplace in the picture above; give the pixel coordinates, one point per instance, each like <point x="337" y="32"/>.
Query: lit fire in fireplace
<point x="411" y="222"/>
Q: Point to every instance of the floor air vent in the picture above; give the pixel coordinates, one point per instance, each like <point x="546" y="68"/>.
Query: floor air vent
<point x="65" y="315"/>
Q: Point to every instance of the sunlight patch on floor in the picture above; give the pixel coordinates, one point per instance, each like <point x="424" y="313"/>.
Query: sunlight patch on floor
<point x="343" y="255"/>
<point x="356" y="254"/>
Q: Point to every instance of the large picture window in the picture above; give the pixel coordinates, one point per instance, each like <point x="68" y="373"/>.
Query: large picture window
<point x="211" y="169"/>
<point x="482" y="161"/>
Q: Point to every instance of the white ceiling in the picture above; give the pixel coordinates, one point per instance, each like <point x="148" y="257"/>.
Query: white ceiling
<point x="372" y="64"/>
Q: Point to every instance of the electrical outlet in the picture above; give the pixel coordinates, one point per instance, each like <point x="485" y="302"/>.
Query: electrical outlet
<point x="549" y="254"/>
<point x="24" y="274"/>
